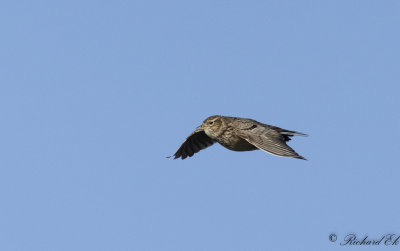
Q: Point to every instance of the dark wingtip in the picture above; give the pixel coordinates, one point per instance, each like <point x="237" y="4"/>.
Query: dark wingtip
<point x="300" y="157"/>
<point x="174" y="157"/>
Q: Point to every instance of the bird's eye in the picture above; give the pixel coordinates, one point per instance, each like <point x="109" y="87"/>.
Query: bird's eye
<point x="211" y="122"/>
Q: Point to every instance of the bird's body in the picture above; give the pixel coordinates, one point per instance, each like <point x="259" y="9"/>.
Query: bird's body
<point x="238" y="134"/>
<point x="226" y="134"/>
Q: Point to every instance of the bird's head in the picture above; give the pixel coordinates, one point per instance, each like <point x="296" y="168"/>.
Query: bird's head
<point x="212" y="126"/>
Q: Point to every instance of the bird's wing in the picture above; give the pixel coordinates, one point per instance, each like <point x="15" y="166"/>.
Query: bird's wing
<point x="268" y="139"/>
<point x="196" y="141"/>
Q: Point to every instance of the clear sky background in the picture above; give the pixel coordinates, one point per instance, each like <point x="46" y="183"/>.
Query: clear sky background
<point x="95" y="94"/>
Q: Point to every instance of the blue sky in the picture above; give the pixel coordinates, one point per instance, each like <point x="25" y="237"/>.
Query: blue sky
<point x="95" y="94"/>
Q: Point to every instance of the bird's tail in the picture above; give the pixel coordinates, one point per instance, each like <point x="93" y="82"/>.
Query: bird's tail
<point x="287" y="133"/>
<point x="292" y="133"/>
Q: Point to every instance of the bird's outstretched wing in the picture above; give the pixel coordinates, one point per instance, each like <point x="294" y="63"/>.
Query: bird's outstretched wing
<point x="196" y="141"/>
<point x="270" y="139"/>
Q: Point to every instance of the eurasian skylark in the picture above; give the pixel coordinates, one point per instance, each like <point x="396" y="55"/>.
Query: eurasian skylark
<point x="238" y="134"/>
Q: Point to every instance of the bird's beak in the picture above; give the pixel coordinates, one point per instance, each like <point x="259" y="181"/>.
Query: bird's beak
<point x="199" y="127"/>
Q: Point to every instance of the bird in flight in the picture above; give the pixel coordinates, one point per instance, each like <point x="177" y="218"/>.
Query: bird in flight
<point x="238" y="134"/>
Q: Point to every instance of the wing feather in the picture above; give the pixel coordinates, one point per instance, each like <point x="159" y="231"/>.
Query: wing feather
<point x="196" y="141"/>
<point x="270" y="140"/>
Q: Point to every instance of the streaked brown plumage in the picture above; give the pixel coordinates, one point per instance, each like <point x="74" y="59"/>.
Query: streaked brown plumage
<point x="238" y="134"/>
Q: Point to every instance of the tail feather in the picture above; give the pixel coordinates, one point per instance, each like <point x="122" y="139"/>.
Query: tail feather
<point x="287" y="134"/>
<point x="292" y="133"/>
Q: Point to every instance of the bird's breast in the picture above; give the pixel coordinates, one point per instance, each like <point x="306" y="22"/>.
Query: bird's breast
<point x="233" y="142"/>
